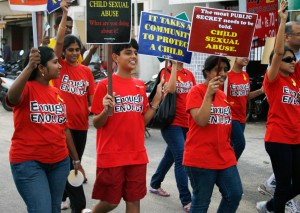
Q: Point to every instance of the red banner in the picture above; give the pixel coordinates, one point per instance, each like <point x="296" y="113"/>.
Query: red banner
<point x="267" y="21"/>
<point x="28" y="5"/>
<point x="221" y="32"/>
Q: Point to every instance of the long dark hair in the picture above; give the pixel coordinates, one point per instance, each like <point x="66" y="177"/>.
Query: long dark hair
<point x="47" y="54"/>
<point x="71" y="39"/>
<point x="213" y="61"/>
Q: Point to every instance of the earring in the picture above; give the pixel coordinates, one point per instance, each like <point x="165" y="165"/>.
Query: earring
<point x="43" y="74"/>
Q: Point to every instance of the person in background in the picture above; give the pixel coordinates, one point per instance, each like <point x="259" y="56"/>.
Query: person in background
<point x="76" y="84"/>
<point x="282" y="141"/>
<point x="292" y="41"/>
<point x="238" y="93"/>
<point x="39" y="155"/>
<point x="6" y="51"/>
<point x="179" y="81"/>
<point x="121" y="153"/>
<point x="95" y="60"/>
<point x="209" y="158"/>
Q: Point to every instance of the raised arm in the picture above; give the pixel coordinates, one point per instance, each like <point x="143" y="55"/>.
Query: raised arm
<point x="58" y="48"/>
<point x="279" y="43"/>
<point x="15" y="91"/>
<point x="170" y="87"/>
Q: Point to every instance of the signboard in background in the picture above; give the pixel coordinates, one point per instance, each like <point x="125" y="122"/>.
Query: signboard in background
<point x="53" y="5"/>
<point x="221" y="32"/>
<point x="28" y="5"/>
<point x="164" y="36"/>
<point x="108" y="22"/>
<point x="267" y="21"/>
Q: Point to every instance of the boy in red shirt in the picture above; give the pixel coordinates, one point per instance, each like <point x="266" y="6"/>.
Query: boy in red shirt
<point x="121" y="154"/>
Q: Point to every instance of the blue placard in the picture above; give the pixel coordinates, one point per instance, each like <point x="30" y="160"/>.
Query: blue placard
<point x="53" y="5"/>
<point x="164" y="36"/>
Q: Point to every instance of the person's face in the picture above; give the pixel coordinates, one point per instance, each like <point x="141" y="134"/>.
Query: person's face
<point x="127" y="60"/>
<point x="293" y="39"/>
<point x="53" y="69"/>
<point x="69" y="27"/>
<point x="72" y="53"/>
<point x="242" y="61"/>
<point x="288" y="62"/>
<point x="218" y="71"/>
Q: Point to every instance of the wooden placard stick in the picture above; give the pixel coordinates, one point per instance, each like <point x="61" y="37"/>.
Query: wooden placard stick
<point x="218" y="71"/>
<point x="109" y="74"/>
<point x="166" y="69"/>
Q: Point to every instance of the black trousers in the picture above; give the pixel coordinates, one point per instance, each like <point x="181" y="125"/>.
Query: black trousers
<point x="76" y="194"/>
<point x="285" y="159"/>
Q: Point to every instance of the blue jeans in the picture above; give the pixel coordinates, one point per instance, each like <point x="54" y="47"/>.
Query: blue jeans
<point x="203" y="182"/>
<point x="41" y="185"/>
<point x="175" y="137"/>
<point x="237" y="137"/>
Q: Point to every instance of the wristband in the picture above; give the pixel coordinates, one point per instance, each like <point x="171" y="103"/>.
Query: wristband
<point x="76" y="161"/>
<point x="154" y="107"/>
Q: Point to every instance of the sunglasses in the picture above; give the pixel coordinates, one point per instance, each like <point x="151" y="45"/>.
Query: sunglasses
<point x="289" y="59"/>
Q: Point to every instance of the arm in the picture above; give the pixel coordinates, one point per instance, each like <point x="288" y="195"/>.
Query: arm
<point x="87" y="59"/>
<point x="58" y="48"/>
<point x="170" y="87"/>
<point x="279" y="45"/>
<point x="153" y="106"/>
<point x="100" y="120"/>
<point x="15" y="91"/>
<point x="72" y="151"/>
<point x="201" y="115"/>
<point x="256" y="93"/>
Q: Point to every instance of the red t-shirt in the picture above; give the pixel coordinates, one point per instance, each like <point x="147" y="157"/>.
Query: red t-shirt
<point x="39" y="122"/>
<point x="121" y="140"/>
<point x="209" y="147"/>
<point x="185" y="80"/>
<point x="237" y="94"/>
<point x="76" y="84"/>
<point x="283" y="123"/>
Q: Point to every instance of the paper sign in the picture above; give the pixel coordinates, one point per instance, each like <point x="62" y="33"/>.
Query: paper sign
<point x="164" y="37"/>
<point x="28" y="5"/>
<point x="108" y="22"/>
<point x="53" y="5"/>
<point x="221" y="32"/>
<point x="269" y="46"/>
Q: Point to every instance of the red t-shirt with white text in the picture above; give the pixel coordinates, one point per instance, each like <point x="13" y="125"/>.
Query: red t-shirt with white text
<point x="121" y="140"/>
<point x="76" y="84"/>
<point x="39" y="122"/>
<point x="185" y="80"/>
<point x="283" y="123"/>
<point x="209" y="147"/>
<point x="237" y="94"/>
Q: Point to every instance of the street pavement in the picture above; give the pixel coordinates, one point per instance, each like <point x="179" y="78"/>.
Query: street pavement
<point x="254" y="167"/>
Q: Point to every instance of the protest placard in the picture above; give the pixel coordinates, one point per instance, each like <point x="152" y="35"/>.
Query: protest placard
<point x="28" y="5"/>
<point x="108" y="21"/>
<point x="164" y="36"/>
<point x="221" y="32"/>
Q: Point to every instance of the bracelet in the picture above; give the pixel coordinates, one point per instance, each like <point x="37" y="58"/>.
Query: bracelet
<point x="76" y="161"/>
<point x="154" y="107"/>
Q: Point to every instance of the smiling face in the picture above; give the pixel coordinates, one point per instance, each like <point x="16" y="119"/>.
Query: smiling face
<point x="288" y="62"/>
<point x="242" y="61"/>
<point x="127" y="60"/>
<point x="72" y="53"/>
<point x="53" y="68"/>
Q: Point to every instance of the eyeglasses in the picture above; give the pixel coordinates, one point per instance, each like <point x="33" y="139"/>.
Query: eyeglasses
<point x="289" y="59"/>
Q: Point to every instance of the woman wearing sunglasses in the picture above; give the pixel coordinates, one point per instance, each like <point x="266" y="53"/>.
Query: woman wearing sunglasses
<point x="282" y="138"/>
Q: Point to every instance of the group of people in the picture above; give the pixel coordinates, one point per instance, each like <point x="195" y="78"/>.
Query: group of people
<point x="54" y="95"/>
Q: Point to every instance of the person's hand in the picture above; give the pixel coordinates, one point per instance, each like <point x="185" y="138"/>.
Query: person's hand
<point x="64" y="5"/>
<point x="94" y="47"/>
<point x="282" y="12"/>
<point x="108" y="101"/>
<point x="34" y="58"/>
<point x="45" y="39"/>
<point x="213" y="85"/>
<point x="159" y="90"/>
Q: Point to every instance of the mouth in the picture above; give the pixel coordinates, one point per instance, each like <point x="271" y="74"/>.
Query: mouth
<point x="132" y="62"/>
